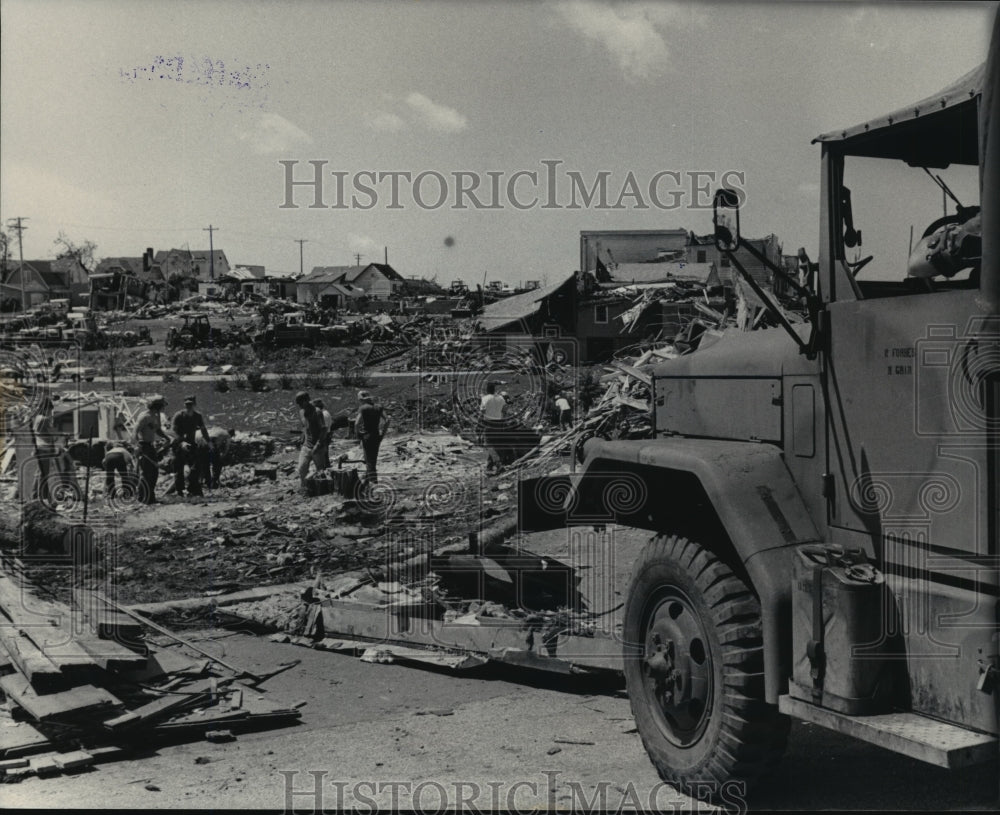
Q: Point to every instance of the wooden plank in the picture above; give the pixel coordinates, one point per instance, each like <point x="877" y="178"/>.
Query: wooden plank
<point x="47" y="625"/>
<point x="189" y="696"/>
<point x="32" y="663"/>
<point x="105" y="622"/>
<point x="63" y="704"/>
<point x="21" y="738"/>
<point x="66" y="654"/>
<point x="646" y="379"/>
<point x="44" y="765"/>
<point x="166" y="632"/>
<point x="112" y="656"/>
<point x="73" y="760"/>
<point x="165" y="662"/>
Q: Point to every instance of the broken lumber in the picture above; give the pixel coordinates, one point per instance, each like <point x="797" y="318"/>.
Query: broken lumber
<point x="240" y="672"/>
<point x="192" y="695"/>
<point x="62" y="704"/>
<point x="645" y="378"/>
<point x="31" y="662"/>
<point x="50" y="627"/>
<point x="107" y="623"/>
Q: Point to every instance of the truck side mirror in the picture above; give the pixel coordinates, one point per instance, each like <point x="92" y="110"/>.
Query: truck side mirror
<point x="726" y="218"/>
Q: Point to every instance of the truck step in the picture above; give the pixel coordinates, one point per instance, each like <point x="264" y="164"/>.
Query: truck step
<point x="945" y="745"/>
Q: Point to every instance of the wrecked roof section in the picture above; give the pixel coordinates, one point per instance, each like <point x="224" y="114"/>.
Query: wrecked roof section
<point x="519" y="307"/>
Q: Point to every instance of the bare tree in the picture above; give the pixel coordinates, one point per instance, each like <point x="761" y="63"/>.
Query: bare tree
<point x="83" y="252"/>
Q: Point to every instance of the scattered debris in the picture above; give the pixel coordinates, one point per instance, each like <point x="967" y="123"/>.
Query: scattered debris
<point x="79" y="693"/>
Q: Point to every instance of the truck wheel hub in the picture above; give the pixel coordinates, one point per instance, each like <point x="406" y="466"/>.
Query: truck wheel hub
<point x="678" y="668"/>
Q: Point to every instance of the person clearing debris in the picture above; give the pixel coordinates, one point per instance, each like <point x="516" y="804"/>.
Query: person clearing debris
<point x="186" y="425"/>
<point x="324" y="443"/>
<point x="211" y="454"/>
<point x="492" y="407"/>
<point x="119" y="459"/>
<point x="147" y="429"/>
<point x="370" y="428"/>
<point x="313" y="437"/>
<point x="565" y="411"/>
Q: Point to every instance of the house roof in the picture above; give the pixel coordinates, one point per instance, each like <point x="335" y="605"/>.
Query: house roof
<point x="240" y="274"/>
<point x="659" y="272"/>
<point x="129" y="264"/>
<point x="519" y="306"/>
<point x="347" y="274"/>
<point x="388" y="271"/>
<point x="42" y="269"/>
<point x="163" y="254"/>
<point x="329" y="274"/>
<point x="204" y="256"/>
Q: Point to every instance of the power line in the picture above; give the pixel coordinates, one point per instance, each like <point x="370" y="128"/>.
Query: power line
<point x="301" y="242"/>
<point x="16" y="225"/>
<point x="211" y="250"/>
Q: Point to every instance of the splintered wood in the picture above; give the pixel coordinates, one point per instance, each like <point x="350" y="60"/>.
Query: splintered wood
<point x="85" y="676"/>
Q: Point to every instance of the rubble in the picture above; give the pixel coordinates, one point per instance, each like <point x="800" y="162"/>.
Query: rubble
<point x="73" y="698"/>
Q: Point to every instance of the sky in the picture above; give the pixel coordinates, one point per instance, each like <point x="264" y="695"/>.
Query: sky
<point x="140" y="124"/>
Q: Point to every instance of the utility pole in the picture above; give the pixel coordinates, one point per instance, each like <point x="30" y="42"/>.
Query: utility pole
<point x="211" y="251"/>
<point x="386" y="261"/>
<point x="300" y="242"/>
<point x="19" y="228"/>
<point x="357" y="259"/>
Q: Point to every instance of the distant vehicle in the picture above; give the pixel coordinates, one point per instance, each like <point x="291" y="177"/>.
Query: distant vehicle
<point x="129" y="338"/>
<point x="195" y="333"/>
<point x="290" y="329"/>
<point x="198" y="333"/>
<point x="458" y="288"/>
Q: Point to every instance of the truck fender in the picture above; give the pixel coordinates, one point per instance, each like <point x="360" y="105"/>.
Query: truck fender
<point x="737" y="496"/>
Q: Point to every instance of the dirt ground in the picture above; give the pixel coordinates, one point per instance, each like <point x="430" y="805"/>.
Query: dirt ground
<point x="498" y="739"/>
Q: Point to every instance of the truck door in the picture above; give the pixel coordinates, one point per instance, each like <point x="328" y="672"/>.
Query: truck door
<point x="907" y="457"/>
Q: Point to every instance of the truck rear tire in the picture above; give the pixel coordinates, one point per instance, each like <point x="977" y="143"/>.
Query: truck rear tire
<point x="694" y="668"/>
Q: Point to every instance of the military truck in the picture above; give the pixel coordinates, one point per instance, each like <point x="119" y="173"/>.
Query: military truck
<point x="825" y="498"/>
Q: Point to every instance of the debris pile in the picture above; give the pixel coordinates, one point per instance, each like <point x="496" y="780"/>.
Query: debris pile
<point x="82" y="684"/>
<point x="624" y="411"/>
<point x="475" y="602"/>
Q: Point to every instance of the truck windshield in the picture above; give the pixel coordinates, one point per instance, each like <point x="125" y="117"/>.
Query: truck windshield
<point x="903" y="214"/>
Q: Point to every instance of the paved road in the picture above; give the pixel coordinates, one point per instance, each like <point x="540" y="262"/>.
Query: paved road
<point x="488" y="738"/>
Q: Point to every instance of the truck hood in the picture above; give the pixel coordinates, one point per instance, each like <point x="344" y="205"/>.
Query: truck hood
<point x="761" y="353"/>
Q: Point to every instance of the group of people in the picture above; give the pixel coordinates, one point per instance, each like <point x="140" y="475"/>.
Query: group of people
<point x="370" y="426"/>
<point x="492" y="409"/>
<point x="198" y="451"/>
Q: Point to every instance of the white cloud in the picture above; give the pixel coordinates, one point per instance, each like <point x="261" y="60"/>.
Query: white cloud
<point x="271" y="133"/>
<point x="630" y="32"/>
<point x="385" y="122"/>
<point x="370" y="251"/>
<point x="435" y="116"/>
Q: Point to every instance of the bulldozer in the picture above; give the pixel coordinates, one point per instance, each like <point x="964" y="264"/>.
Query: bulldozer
<point x="824" y="498"/>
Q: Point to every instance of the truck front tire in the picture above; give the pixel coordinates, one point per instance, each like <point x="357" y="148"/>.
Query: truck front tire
<point x="694" y="668"/>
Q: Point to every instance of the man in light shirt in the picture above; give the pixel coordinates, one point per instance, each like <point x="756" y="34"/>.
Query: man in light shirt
<point x="491" y="408"/>
<point x="565" y="411"/>
<point x="147" y="430"/>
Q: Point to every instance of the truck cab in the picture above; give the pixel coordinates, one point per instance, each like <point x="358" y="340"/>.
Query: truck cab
<point x="825" y="497"/>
